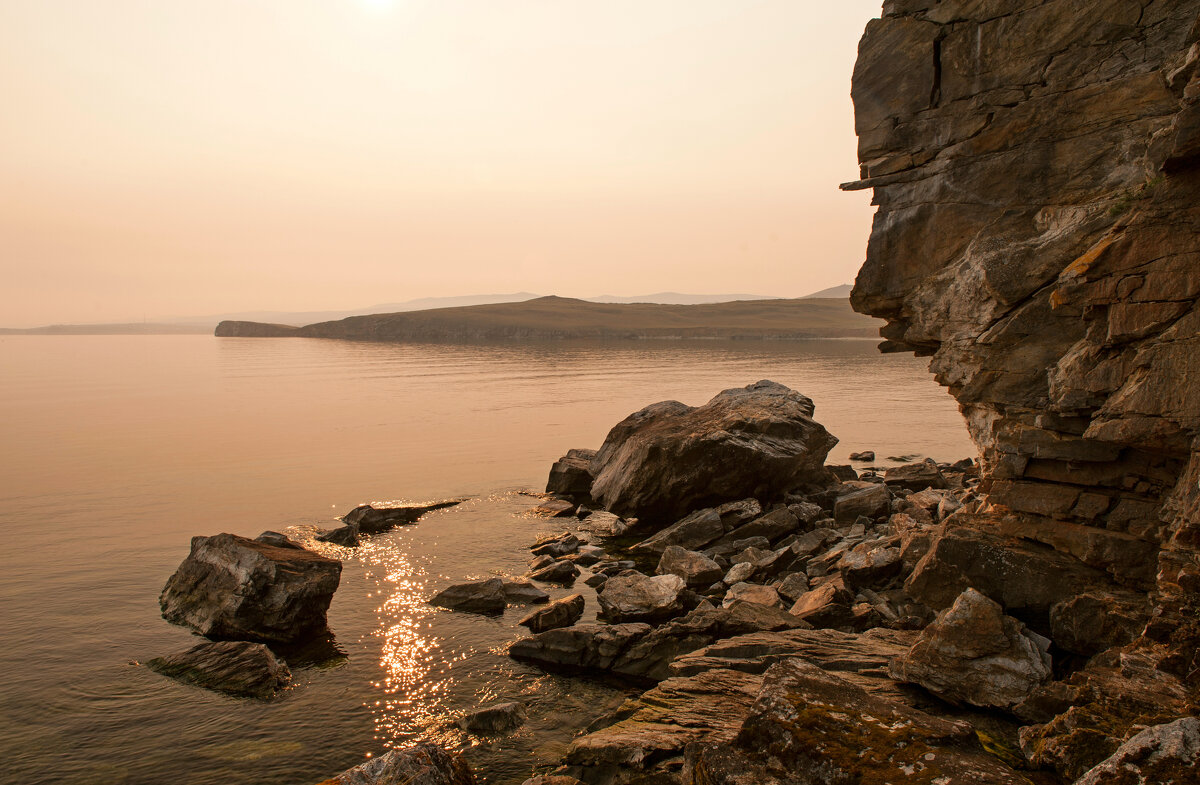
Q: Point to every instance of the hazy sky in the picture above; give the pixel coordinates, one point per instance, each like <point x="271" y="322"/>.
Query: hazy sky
<point x="168" y="157"/>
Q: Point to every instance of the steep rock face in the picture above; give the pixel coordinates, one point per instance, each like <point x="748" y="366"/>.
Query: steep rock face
<point x="1036" y="169"/>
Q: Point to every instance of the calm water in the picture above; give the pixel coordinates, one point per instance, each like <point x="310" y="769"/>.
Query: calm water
<point x="116" y="450"/>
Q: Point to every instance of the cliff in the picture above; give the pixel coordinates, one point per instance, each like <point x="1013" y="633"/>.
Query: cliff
<point x="1036" y="167"/>
<point x="552" y="318"/>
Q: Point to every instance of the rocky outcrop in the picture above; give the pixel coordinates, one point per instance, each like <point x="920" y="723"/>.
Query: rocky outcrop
<point x="571" y="474"/>
<point x="420" y="764"/>
<point x="372" y="520"/>
<point x="235" y="667"/>
<point x="668" y="459"/>
<point x="560" y="613"/>
<point x="234" y="588"/>
<point x="1036" y="171"/>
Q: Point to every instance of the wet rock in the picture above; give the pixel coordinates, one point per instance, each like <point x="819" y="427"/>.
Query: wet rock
<point x="483" y="596"/>
<point x="373" y="520"/>
<point x="562" y="572"/>
<point x="560" y="613"/>
<point x="667" y="459"/>
<point x="1166" y="753"/>
<point x="691" y="532"/>
<point x="596" y="580"/>
<point x="752" y="593"/>
<point x="346" y="536"/>
<point x="521" y="592"/>
<point x="808" y="725"/>
<point x="493" y="720"/>
<point x="234" y="588"/>
<point x="696" y="569"/>
<point x="557" y="546"/>
<point x="590" y="646"/>
<point x="589" y="554"/>
<point x="420" y="764"/>
<point x="278" y="539"/>
<point x="234" y="667"/>
<point x="865" y="455"/>
<point x="635" y="597"/>
<point x="554" y="508"/>
<point x="871" y="502"/>
<point x="570" y="475"/>
<point x="975" y="654"/>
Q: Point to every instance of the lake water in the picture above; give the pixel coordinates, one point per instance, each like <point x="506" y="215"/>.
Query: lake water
<point x="118" y="449"/>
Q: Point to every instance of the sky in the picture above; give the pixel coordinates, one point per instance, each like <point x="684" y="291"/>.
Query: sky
<point x="177" y="157"/>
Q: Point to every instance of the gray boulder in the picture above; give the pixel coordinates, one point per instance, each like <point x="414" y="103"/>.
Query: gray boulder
<point x="234" y="588"/>
<point x="560" y="613"/>
<point x="570" y="475"/>
<point x="634" y="597"/>
<point x="973" y="653"/>
<point x="667" y="459"/>
<point x="696" y="569"/>
<point x="233" y="667"/>
<point x="1168" y="753"/>
<point x="493" y="720"/>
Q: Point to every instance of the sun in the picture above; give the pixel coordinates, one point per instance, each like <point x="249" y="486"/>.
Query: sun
<point x="378" y="5"/>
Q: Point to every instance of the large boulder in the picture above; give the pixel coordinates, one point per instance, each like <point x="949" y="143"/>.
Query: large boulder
<point x="636" y="597"/>
<point x="234" y="588"/>
<point x="420" y="764"/>
<point x="570" y="475"/>
<point x="668" y="459"/>
<point x="973" y="653"/>
<point x="1168" y="753"/>
<point x="692" y="531"/>
<point x="234" y="667"/>
<point x="871" y="501"/>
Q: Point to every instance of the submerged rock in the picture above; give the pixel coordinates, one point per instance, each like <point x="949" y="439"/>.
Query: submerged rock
<point x="975" y="654"/>
<point x="420" y="764"/>
<point x="235" y="667"/>
<point x="373" y="520"/>
<point x="483" y="596"/>
<point x="668" y="459"/>
<point x="234" y="588"/>
<point x="560" y="613"/>
<point x="491" y="720"/>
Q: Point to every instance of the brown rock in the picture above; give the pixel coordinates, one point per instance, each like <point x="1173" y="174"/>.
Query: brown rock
<point x="420" y="764"/>
<point x="560" y="613"/>
<point x="570" y="474"/>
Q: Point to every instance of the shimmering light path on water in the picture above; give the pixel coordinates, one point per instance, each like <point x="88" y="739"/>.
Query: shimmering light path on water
<point x="119" y="449"/>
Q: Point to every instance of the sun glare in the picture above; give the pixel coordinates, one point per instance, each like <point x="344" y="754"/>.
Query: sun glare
<point x="378" y="5"/>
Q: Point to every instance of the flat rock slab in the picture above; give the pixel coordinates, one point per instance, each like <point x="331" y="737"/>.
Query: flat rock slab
<point x="234" y="588"/>
<point x="234" y="667"/>
<point x="373" y="520"/>
<point x="585" y="646"/>
<point x="420" y="764"/>
<point x="669" y="459"/>
<point x="485" y="596"/>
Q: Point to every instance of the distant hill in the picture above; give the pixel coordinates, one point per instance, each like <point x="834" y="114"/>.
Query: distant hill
<point x="841" y="292"/>
<point x="131" y="328"/>
<point x="676" y="298"/>
<point x="566" y="318"/>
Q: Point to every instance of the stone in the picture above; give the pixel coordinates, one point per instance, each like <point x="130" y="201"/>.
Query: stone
<point x="560" y="613"/>
<point x="346" y="536"/>
<point x="872" y="501"/>
<point x="668" y="459"/>
<point x="827" y="605"/>
<point x="1092" y="622"/>
<point x="493" y="720"/>
<point x="973" y="653"/>
<point x="806" y="513"/>
<point x="734" y="514"/>
<point x="589" y="554"/>
<point x="421" y="764"/>
<point x="692" y="532"/>
<point x="752" y="593"/>
<point x="374" y="520"/>
<point x="811" y="726"/>
<point x="552" y="779"/>
<point x="865" y="455"/>
<point x="554" y="508"/>
<point x="278" y="539"/>
<point x="774" y="525"/>
<point x="1166" y="753"/>
<point x="522" y="592"/>
<point x="596" y="580"/>
<point x="234" y="588"/>
<point x="696" y="569"/>
<point x="915" y="476"/>
<point x="842" y="472"/>
<point x="870" y="564"/>
<point x="792" y="586"/>
<point x="234" y="667"/>
<point x="570" y="475"/>
<point x="742" y="571"/>
<point x="562" y="572"/>
<point x="635" y="597"/>
<point x="482" y="596"/>
<point x="588" y="646"/>
<point x="557" y="547"/>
